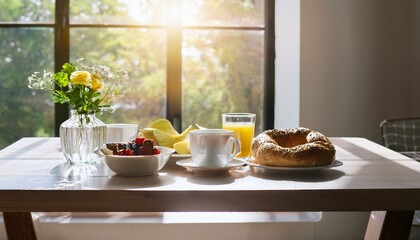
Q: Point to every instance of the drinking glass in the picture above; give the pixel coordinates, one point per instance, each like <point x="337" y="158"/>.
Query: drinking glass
<point x="243" y="126"/>
<point x="121" y="132"/>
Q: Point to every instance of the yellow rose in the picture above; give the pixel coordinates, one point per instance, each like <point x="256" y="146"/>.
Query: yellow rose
<point x="81" y="78"/>
<point x="97" y="83"/>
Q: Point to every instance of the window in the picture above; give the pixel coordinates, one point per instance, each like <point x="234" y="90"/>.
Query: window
<point x="188" y="60"/>
<point x="26" y="40"/>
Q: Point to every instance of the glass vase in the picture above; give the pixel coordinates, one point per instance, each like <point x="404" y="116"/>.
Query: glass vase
<point x="80" y="136"/>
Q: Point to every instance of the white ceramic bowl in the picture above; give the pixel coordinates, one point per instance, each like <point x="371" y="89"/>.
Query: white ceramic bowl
<point x="140" y="165"/>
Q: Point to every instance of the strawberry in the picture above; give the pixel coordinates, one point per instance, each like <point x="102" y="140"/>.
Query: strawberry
<point x="140" y="140"/>
<point x="139" y="146"/>
<point x="156" y="151"/>
<point x="128" y="152"/>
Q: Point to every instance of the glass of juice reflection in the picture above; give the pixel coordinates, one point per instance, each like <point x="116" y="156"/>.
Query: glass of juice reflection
<point x="243" y="125"/>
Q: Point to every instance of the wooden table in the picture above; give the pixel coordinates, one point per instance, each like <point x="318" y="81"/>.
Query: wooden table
<point x="34" y="177"/>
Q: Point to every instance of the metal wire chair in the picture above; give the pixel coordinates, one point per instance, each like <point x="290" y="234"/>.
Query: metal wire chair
<point x="401" y="134"/>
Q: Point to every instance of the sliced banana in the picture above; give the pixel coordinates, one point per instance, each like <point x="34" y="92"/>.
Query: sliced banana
<point x="163" y="133"/>
<point x="182" y="147"/>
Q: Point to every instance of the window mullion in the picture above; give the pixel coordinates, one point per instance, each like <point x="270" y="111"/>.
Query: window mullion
<point x="61" y="53"/>
<point x="269" y="67"/>
<point x="174" y="63"/>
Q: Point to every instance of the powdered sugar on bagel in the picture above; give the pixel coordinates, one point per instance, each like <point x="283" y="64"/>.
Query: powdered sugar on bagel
<point x="293" y="147"/>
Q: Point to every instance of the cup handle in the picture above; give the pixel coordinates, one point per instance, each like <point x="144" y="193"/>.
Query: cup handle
<point x="229" y="144"/>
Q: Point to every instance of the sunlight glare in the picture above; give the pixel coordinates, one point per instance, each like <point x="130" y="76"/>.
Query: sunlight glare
<point x="190" y="10"/>
<point x="177" y="10"/>
<point x="174" y="9"/>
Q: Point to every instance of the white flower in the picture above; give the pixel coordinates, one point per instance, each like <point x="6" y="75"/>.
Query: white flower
<point x="46" y="82"/>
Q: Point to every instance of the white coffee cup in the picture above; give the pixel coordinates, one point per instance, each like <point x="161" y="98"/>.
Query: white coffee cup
<point x="121" y="132"/>
<point x="212" y="147"/>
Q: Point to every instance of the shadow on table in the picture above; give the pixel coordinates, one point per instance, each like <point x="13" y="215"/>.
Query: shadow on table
<point x="214" y="178"/>
<point x="17" y="152"/>
<point x="117" y="182"/>
<point x="100" y="176"/>
<point x="324" y="175"/>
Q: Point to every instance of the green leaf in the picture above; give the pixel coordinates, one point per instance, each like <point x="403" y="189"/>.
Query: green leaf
<point x="62" y="79"/>
<point x="68" y="68"/>
<point x="60" y="97"/>
<point x="96" y="94"/>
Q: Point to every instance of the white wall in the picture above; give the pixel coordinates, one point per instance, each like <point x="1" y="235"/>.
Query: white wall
<point x="355" y="65"/>
<point x="414" y="43"/>
<point x="287" y="94"/>
<point x="358" y="64"/>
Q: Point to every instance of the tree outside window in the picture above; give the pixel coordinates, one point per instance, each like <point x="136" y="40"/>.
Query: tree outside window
<point x="189" y="61"/>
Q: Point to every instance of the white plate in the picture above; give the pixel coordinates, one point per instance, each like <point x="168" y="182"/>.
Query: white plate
<point x="190" y="165"/>
<point x="335" y="163"/>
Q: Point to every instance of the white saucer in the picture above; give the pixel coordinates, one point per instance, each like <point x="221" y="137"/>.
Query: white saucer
<point x="177" y="157"/>
<point x="180" y="156"/>
<point x="335" y="163"/>
<point x="190" y="165"/>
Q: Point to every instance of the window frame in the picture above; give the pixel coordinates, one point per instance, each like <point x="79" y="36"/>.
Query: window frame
<point x="62" y="27"/>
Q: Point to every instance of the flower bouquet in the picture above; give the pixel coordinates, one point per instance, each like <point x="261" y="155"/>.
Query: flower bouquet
<point x="87" y="90"/>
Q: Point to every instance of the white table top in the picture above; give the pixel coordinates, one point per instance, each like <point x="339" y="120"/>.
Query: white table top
<point x="35" y="177"/>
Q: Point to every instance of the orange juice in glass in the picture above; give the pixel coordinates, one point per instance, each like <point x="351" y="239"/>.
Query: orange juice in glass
<point x="243" y="125"/>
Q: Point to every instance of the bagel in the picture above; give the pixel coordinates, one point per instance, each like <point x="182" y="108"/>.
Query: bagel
<point x="293" y="147"/>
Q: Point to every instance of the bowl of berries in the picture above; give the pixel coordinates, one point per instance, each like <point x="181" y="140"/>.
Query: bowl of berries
<point x="136" y="158"/>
